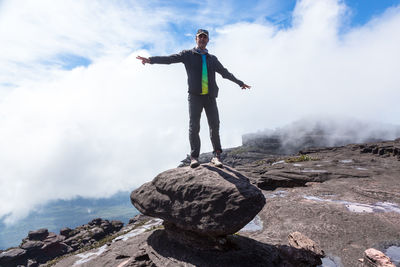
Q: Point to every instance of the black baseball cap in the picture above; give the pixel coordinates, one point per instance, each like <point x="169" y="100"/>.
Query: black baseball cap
<point x="201" y="31"/>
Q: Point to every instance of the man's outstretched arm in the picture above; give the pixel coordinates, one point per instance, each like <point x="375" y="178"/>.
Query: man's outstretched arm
<point x="175" y="58"/>
<point x="227" y="75"/>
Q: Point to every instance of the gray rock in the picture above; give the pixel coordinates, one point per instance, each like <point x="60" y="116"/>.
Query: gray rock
<point x="12" y="257"/>
<point x="53" y="250"/>
<point x="117" y="225"/>
<point x="32" y="263"/>
<point x="32" y="245"/>
<point x="96" y="221"/>
<point x="140" y="218"/>
<point x="53" y="238"/>
<point x="205" y="200"/>
<point x="106" y="226"/>
<point x="40" y="234"/>
<point x="75" y="238"/>
<point x="97" y="233"/>
<point x="65" y="231"/>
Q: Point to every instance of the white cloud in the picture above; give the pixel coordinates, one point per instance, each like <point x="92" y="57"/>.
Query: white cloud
<point x="34" y="33"/>
<point x="307" y="70"/>
<point x="115" y="124"/>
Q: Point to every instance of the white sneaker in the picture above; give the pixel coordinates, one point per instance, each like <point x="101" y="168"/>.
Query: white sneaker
<point x="194" y="162"/>
<point x="216" y="161"/>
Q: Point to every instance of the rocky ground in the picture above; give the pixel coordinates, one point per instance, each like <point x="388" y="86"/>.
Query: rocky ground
<point x="346" y="199"/>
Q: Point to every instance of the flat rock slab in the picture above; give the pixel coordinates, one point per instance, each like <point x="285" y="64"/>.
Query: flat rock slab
<point x="355" y="208"/>
<point x="205" y="200"/>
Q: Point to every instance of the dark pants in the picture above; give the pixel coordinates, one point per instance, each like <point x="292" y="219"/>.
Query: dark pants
<point x="196" y="105"/>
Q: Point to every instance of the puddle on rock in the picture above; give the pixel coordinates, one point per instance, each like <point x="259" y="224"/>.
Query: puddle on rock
<point x="393" y="252"/>
<point x="278" y="162"/>
<point x="139" y="230"/>
<point x="279" y="193"/>
<point x="85" y="257"/>
<point x="359" y="208"/>
<point x="331" y="261"/>
<point x="346" y="161"/>
<point x="311" y="170"/>
<point x="253" y="226"/>
<point x="361" y="169"/>
<point x="297" y="164"/>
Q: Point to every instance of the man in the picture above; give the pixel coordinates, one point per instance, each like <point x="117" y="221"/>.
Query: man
<point x="203" y="91"/>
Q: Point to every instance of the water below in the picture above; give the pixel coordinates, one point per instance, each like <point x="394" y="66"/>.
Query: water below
<point x="393" y="252"/>
<point x="359" y="207"/>
<point x="331" y="261"/>
<point x="253" y="226"/>
<point x="88" y="256"/>
<point x="313" y="171"/>
<point x="278" y="162"/>
<point x="279" y="193"/>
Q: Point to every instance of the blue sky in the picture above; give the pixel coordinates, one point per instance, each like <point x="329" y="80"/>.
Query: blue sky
<point x="80" y="116"/>
<point x="363" y="11"/>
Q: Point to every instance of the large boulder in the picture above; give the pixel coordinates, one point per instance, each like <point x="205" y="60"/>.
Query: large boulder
<point x="206" y="200"/>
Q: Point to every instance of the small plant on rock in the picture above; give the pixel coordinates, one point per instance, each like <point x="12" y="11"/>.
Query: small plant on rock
<point x="300" y="158"/>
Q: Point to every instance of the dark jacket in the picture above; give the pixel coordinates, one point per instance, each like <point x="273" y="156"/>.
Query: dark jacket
<point x="193" y="64"/>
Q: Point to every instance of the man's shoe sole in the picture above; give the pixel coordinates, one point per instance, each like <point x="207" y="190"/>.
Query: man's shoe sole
<point x="218" y="165"/>
<point x="195" y="165"/>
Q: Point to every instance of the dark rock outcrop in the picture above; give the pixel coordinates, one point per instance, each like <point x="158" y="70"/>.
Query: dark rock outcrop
<point x="65" y="231"/>
<point x="41" y="246"/>
<point x="13" y="257"/>
<point x="207" y="201"/>
<point x="40" y="234"/>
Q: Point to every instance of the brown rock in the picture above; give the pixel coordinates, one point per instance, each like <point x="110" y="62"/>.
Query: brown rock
<point x="376" y="258"/>
<point x="300" y="241"/>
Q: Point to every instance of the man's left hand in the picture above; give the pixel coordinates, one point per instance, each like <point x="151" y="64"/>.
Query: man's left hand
<point x="245" y="86"/>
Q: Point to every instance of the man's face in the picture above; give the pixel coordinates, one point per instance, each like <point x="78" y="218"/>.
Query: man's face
<point x="202" y="41"/>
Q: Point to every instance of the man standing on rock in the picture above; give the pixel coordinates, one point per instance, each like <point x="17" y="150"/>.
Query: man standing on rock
<point x="203" y="91"/>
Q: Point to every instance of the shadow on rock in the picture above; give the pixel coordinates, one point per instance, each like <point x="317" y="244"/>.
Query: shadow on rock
<point x="226" y="176"/>
<point x="235" y="251"/>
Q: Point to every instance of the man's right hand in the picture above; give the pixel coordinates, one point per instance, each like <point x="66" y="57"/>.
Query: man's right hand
<point x="144" y="59"/>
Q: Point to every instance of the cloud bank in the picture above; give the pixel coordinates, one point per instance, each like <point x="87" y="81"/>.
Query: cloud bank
<point x="112" y="124"/>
